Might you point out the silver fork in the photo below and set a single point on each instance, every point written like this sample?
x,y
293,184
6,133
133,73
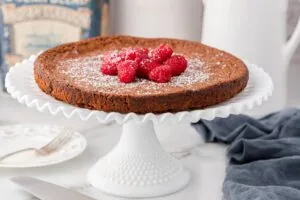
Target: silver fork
x,y
55,144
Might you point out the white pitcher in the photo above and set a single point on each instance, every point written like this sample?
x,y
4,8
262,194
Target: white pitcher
x,y
254,30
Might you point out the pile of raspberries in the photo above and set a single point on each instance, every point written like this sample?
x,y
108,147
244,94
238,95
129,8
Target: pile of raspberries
x,y
158,65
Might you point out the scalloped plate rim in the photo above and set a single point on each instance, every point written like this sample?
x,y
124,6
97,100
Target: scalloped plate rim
x,y
103,117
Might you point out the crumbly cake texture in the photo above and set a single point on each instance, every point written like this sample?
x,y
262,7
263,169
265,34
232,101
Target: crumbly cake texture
x,y
71,73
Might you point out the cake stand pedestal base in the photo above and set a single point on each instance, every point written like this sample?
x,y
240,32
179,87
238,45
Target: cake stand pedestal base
x,y
138,166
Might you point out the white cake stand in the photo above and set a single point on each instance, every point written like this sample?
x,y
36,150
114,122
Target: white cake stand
x,y
138,166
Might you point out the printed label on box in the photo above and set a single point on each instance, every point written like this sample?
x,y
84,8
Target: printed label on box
x,y
31,26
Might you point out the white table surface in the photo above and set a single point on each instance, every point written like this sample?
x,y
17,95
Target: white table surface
x,y
206,161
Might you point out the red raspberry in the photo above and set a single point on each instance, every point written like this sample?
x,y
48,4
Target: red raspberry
x,y
136,54
130,54
146,66
128,63
177,63
113,57
110,63
161,74
127,71
161,53
144,52
109,69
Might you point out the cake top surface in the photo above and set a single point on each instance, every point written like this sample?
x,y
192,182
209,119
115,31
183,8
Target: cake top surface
x,y
79,66
84,72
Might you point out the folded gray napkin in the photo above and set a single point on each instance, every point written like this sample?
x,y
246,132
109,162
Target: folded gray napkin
x,y
264,155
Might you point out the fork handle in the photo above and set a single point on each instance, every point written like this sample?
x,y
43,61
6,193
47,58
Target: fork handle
x,y
15,152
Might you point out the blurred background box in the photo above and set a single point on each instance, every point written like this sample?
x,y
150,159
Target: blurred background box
x,y
105,18
31,26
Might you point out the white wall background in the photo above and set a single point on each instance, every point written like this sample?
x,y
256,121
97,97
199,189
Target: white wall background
x,y
157,18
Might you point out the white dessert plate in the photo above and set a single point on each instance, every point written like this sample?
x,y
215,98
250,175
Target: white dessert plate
x,y
15,137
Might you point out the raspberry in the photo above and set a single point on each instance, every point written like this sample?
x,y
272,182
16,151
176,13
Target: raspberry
x,y
146,66
128,63
110,63
136,54
127,71
161,53
144,52
113,57
109,69
130,54
161,74
177,63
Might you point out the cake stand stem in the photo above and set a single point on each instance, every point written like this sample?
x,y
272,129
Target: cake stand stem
x,y
138,166
139,135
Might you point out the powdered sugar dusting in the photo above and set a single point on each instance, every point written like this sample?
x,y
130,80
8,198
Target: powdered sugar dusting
x,y
86,72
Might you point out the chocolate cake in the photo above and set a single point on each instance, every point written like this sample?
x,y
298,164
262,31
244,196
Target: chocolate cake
x,y
70,73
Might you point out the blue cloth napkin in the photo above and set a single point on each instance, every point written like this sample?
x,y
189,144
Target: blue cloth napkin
x,y
264,155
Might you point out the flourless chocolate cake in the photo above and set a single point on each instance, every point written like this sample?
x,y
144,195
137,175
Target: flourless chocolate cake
x,y
71,73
